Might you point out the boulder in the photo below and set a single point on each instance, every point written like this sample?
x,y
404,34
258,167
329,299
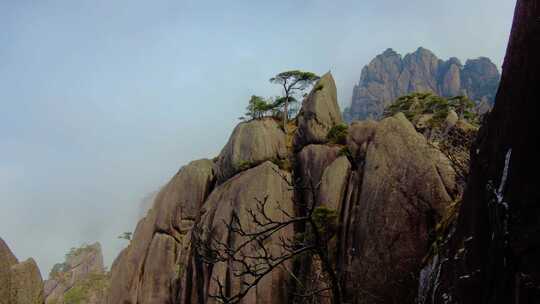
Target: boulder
x,y
394,199
334,183
250,144
312,163
26,285
319,113
7,259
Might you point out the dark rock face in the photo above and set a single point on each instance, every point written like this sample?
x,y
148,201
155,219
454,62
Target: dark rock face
x,y
490,253
390,76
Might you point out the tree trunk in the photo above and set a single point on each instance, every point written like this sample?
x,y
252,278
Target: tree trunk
x,y
285,114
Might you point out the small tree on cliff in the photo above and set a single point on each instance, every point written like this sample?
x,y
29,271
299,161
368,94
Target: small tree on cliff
x,y
292,82
252,259
258,107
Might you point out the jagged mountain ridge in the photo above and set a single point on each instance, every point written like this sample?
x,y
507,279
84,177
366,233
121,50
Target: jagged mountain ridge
x,y
390,75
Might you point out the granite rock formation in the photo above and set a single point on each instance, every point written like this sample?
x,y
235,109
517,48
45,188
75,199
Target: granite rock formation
x,y
20,283
387,185
390,76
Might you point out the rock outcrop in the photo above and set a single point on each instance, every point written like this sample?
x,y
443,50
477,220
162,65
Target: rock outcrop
x,y
146,271
26,285
250,144
390,76
236,196
489,253
319,113
20,283
395,196
82,275
385,186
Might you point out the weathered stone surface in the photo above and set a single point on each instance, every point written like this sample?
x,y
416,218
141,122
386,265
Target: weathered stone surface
x,y
183,196
312,162
250,144
20,283
135,275
26,285
7,259
334,183
394,198
319,113
390,76
236,195
161,259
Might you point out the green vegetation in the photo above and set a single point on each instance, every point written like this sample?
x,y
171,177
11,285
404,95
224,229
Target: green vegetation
x,y
259,107
325,220
338,134
415,105
244,165
81,292
345,152
126,236
292,82
74,251
283,163
57,269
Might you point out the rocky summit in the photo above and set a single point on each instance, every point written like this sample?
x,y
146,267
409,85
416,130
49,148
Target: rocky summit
x,y
391,75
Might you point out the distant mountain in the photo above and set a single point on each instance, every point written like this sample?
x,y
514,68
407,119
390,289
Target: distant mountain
x,y
390,76
81,278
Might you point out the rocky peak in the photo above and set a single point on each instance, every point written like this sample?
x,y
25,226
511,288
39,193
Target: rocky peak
x,y
390,76
319,113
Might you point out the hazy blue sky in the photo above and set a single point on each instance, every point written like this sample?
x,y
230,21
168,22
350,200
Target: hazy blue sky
x,y
102,101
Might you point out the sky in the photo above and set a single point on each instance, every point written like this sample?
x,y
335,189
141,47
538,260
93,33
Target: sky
x,y
102,101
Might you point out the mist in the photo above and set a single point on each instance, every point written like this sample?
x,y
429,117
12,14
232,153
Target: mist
x,y
103,101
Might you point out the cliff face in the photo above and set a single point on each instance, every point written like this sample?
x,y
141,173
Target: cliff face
x,y
81,277
20,283
386,184
490,253
390,76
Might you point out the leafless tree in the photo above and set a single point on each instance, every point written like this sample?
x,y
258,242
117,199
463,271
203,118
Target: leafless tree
x,y
252,258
